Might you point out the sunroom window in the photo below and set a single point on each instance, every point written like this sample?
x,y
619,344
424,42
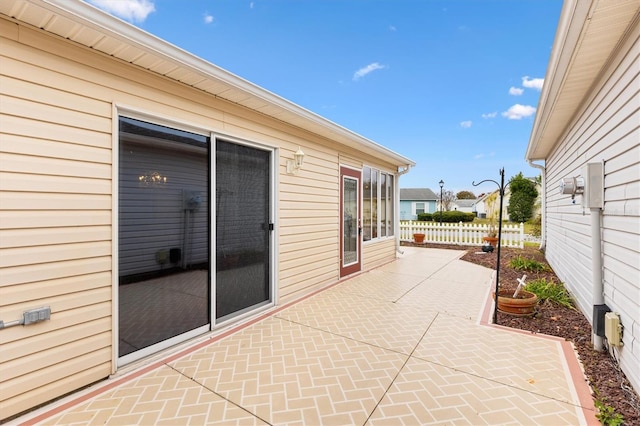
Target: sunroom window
x,y
378,202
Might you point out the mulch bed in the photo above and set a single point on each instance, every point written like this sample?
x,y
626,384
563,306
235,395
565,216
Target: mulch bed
x,y
600,368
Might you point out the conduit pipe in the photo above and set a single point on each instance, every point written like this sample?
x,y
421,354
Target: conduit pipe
x,y
596,271
543,214
593,199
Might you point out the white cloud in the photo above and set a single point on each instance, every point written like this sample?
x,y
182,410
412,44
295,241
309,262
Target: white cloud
x,y
466,124
251,5
130,10
392,28
517,112
532,83
490,115
515,91
208,18
366,70
479,156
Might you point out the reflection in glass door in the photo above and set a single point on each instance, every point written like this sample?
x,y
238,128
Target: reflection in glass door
x,y
163,237
350,226
243,228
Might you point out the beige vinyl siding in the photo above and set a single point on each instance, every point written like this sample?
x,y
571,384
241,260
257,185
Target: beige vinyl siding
x,y
608,128
56,218
376,253
349,161
55,232
308,223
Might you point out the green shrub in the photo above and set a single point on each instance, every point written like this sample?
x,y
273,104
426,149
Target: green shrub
x,y
524,264
550,290
523,198
454,216
469,217
425,217
606,413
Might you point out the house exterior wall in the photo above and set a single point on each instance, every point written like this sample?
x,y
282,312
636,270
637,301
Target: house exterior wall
x,y
465,209
605,129
481,208
405,210
58,114
408,208
377,253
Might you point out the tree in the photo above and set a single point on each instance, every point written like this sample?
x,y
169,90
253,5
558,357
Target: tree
x,y
523,198
448,197
466,195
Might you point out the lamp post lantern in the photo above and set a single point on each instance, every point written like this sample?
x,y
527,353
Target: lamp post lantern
x,y
441,183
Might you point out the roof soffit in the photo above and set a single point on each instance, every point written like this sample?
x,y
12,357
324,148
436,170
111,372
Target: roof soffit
x,y
587,37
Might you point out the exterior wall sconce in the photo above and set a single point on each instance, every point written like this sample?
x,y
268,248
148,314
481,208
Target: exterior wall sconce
x,y
296,164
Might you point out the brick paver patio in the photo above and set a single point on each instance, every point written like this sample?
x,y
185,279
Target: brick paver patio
x,y
407,343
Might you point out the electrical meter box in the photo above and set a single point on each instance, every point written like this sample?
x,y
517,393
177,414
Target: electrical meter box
x,y
613,329
593,196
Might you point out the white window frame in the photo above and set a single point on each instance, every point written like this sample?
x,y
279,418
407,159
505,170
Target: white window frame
x,y
390,203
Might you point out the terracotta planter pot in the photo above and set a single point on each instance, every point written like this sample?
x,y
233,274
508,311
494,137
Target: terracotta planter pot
x,y
491,240
418,238
523,305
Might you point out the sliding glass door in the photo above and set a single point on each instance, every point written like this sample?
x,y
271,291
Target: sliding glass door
x,y
163,236
243,228
166,292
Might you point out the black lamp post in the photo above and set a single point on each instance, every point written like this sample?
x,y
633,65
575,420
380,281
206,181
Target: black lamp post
x,y
501,187
441,183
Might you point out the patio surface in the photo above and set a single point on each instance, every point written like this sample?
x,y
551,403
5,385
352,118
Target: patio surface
x,y
407,343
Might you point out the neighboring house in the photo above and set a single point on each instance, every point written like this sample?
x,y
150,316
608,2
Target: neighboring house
x,y
150,197
481,205
414,201
467,206
587,127
489,205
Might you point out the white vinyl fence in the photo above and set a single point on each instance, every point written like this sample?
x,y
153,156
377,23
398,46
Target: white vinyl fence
x,y
467,234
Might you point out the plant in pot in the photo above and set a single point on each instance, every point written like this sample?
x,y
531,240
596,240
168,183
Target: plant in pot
x,y
519,302
492,233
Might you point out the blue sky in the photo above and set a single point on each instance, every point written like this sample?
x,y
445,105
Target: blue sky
x,y
451,84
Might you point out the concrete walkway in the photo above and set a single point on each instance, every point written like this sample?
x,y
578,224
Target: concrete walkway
x,y
406,343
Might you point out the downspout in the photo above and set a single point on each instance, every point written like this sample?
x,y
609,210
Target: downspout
x,y
543,210
401,170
